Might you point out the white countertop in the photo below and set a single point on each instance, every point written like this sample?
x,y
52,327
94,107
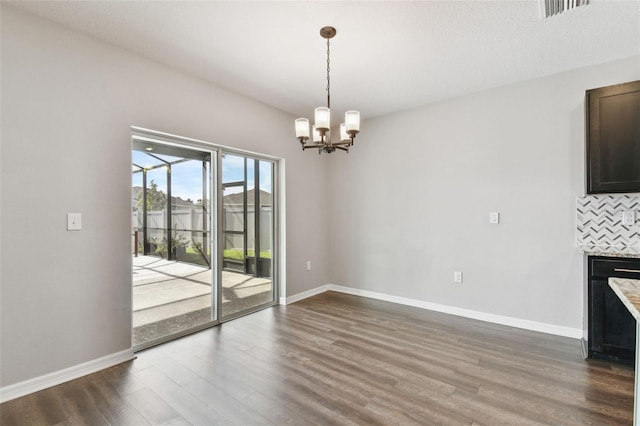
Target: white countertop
x,y
611,251
628,291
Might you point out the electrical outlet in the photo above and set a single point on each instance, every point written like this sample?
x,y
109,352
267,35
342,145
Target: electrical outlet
x,y
494,218
629,217
457,277
308,265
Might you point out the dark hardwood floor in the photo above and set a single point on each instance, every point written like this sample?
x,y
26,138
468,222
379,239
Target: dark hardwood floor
x,y
341,359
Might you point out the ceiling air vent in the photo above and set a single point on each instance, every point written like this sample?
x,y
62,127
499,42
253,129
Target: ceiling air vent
x,y
550,8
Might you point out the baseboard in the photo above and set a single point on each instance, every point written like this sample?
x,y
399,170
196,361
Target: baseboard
x,y
306,294
584,347
36,384
574,333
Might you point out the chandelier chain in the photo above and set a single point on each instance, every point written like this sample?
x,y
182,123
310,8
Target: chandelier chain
x,y
328,78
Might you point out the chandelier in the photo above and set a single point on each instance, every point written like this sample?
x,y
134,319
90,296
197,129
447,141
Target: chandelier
x,y
322,127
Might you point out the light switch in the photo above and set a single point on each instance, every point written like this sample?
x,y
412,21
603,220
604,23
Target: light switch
x,y
74,221
494,218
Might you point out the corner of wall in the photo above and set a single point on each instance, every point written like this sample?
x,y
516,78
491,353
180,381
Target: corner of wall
x,y
573,333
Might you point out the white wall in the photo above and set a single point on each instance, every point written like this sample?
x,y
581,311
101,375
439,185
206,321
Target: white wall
x,y
68,102
411,203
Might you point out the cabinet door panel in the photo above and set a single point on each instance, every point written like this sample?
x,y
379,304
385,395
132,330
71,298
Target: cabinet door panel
x,y
613,139
612,328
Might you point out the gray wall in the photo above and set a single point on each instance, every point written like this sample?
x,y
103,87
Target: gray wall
x,y
412,201
68,102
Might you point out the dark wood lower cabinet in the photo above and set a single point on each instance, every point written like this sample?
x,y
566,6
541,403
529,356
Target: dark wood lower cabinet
x,y
611,328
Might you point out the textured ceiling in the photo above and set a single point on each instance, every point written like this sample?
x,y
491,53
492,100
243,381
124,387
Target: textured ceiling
x,y
387,56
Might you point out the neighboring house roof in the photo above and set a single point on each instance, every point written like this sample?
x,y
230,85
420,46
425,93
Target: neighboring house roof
x,y
265,198
136,193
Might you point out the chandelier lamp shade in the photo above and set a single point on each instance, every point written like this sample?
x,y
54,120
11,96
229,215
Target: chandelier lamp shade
x,y
321,129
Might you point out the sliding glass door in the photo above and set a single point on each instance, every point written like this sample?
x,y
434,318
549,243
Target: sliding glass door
x,y
203,236
247,234
173,283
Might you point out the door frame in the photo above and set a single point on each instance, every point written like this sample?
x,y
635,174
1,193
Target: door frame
x,y
278,263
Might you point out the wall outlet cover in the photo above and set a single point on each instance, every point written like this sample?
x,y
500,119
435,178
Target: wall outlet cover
x,y
628,217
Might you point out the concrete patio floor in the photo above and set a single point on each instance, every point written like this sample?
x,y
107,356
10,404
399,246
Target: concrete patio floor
x,y
171,296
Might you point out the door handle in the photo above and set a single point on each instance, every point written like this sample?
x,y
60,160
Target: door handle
x,y
635,271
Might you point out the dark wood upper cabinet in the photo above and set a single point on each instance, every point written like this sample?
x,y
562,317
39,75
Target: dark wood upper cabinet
x,y
613,138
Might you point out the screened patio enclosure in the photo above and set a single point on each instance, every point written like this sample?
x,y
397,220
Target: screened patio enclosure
x,y
166,223
175,220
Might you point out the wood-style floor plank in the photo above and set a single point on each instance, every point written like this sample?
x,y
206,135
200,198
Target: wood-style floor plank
x,y
337,359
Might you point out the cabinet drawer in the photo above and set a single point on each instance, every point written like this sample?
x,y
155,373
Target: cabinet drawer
x,y
621,268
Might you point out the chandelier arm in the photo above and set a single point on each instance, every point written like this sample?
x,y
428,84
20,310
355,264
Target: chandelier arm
x,y
343,143
317,145
341,147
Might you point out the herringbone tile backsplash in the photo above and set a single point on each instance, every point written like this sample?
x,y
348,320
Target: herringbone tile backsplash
x,y
599,220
